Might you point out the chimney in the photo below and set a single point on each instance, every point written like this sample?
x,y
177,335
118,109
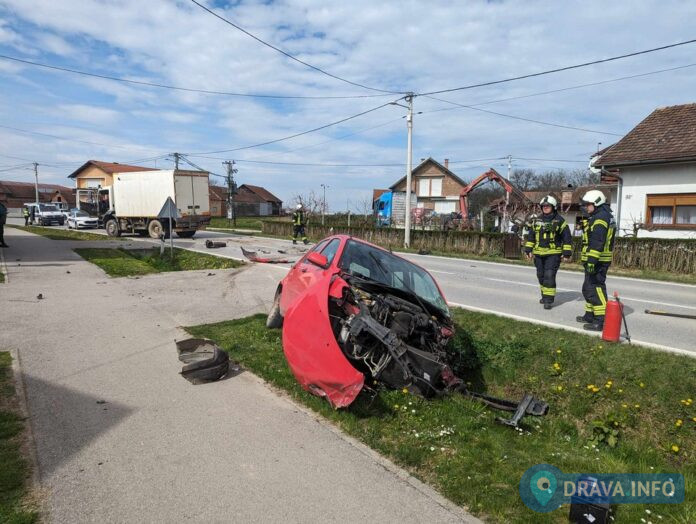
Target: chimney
x,y
446,163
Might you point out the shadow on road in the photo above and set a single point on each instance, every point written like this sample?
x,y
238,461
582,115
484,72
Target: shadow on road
x,y
65,420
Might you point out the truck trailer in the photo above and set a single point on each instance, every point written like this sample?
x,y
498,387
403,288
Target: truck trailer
x,y
132,204
391,209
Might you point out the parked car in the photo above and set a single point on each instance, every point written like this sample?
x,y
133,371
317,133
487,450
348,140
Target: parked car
x,y
45,214
80,219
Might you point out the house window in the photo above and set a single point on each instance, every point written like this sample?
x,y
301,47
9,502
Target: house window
x,y
436,187
214,209
423,187
672,211
429,187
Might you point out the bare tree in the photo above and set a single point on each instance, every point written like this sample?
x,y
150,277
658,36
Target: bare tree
x,y
311,202
524,179
364,206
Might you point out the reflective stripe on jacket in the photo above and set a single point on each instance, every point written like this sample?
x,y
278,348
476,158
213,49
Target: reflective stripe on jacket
x,y
549,235
598,236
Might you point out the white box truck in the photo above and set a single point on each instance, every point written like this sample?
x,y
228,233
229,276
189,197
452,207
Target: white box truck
x,y
132,204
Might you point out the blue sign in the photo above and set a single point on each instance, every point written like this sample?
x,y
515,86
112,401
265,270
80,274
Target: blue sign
x,y
544,488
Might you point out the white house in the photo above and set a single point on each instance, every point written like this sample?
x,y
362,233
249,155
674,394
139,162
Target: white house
x,y
655,165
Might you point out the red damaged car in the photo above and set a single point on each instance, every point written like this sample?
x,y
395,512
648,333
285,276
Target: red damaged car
x,y
354,314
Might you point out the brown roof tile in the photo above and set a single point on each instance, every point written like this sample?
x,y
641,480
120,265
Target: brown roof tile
x,y
109,167
263,193
668,134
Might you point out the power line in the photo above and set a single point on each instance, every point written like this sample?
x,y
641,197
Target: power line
x,y
179,88
541,122
289,55
559,69
295,135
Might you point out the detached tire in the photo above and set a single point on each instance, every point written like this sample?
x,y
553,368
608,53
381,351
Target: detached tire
x,y
275,319
185,234
112,229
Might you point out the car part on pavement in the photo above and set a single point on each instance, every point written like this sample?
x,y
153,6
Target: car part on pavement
x,y
203,360
668,314
210,244
254,257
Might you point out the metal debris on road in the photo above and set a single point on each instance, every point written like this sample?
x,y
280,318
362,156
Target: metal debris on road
x,y
210,244
254,257
669,314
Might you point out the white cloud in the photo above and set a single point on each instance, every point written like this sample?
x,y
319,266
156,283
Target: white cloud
x,y
395,45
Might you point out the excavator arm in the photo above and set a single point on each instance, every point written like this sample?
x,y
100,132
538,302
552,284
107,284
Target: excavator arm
x,y
489,176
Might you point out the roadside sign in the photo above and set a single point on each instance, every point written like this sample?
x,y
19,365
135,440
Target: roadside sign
x,y
168,210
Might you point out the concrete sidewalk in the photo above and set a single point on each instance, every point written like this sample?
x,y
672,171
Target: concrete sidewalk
x,y
121,437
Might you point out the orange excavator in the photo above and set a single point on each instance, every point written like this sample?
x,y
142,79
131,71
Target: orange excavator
x,y
515,200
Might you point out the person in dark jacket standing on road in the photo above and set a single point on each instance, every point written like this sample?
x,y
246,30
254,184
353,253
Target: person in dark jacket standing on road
x,y
3,218
548,239
597,248
298,224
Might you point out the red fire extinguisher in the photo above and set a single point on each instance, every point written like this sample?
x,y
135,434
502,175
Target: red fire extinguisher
x,y
612,321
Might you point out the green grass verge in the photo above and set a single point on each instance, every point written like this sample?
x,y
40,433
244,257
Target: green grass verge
x,y
241,223
14,468
593,389
118,262
2,277
57,233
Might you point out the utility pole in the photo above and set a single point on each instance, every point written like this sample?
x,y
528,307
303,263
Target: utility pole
x,y
409,167
323,204
409,123
176,161
36,182
231,215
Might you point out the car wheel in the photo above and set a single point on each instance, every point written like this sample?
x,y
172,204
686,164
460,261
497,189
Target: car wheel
x,y
275,319
112,228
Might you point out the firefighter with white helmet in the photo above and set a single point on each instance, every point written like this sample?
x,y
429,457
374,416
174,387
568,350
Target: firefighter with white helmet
x,y
597,248
548,240
298,224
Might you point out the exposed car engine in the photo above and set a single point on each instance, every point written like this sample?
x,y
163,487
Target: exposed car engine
x,y
402,343
398,342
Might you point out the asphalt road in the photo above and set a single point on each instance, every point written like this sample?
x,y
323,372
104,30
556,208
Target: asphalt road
x,y
513,290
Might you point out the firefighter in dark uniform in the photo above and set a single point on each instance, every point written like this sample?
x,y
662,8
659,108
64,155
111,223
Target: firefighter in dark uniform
x,y
548,239
597,248
298,224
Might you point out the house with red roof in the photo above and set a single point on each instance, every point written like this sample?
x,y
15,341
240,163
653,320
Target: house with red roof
x,y
654,166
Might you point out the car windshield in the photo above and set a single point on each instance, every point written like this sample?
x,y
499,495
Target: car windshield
x,y
376,264
47,207
81,214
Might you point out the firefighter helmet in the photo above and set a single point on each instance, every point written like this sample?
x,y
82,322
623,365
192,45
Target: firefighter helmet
x,y
594,197
548,200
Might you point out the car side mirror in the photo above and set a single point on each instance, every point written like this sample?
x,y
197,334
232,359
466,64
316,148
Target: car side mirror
x,y
318,259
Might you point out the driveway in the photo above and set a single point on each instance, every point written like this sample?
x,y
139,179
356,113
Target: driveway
x,y
121,437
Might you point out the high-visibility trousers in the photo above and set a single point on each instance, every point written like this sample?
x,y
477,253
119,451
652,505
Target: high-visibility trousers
x,y
297,231
547,267
594,289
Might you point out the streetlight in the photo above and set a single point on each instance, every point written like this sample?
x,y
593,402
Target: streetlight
x,y
323,204
409,124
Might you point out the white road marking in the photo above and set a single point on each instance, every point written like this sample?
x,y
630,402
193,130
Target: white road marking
x,y
624,298
441,272
660,347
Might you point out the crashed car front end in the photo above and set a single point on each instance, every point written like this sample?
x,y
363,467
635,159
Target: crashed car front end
x,y
375,320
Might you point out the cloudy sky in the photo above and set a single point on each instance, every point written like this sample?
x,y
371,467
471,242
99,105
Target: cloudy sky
x,y
61,119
